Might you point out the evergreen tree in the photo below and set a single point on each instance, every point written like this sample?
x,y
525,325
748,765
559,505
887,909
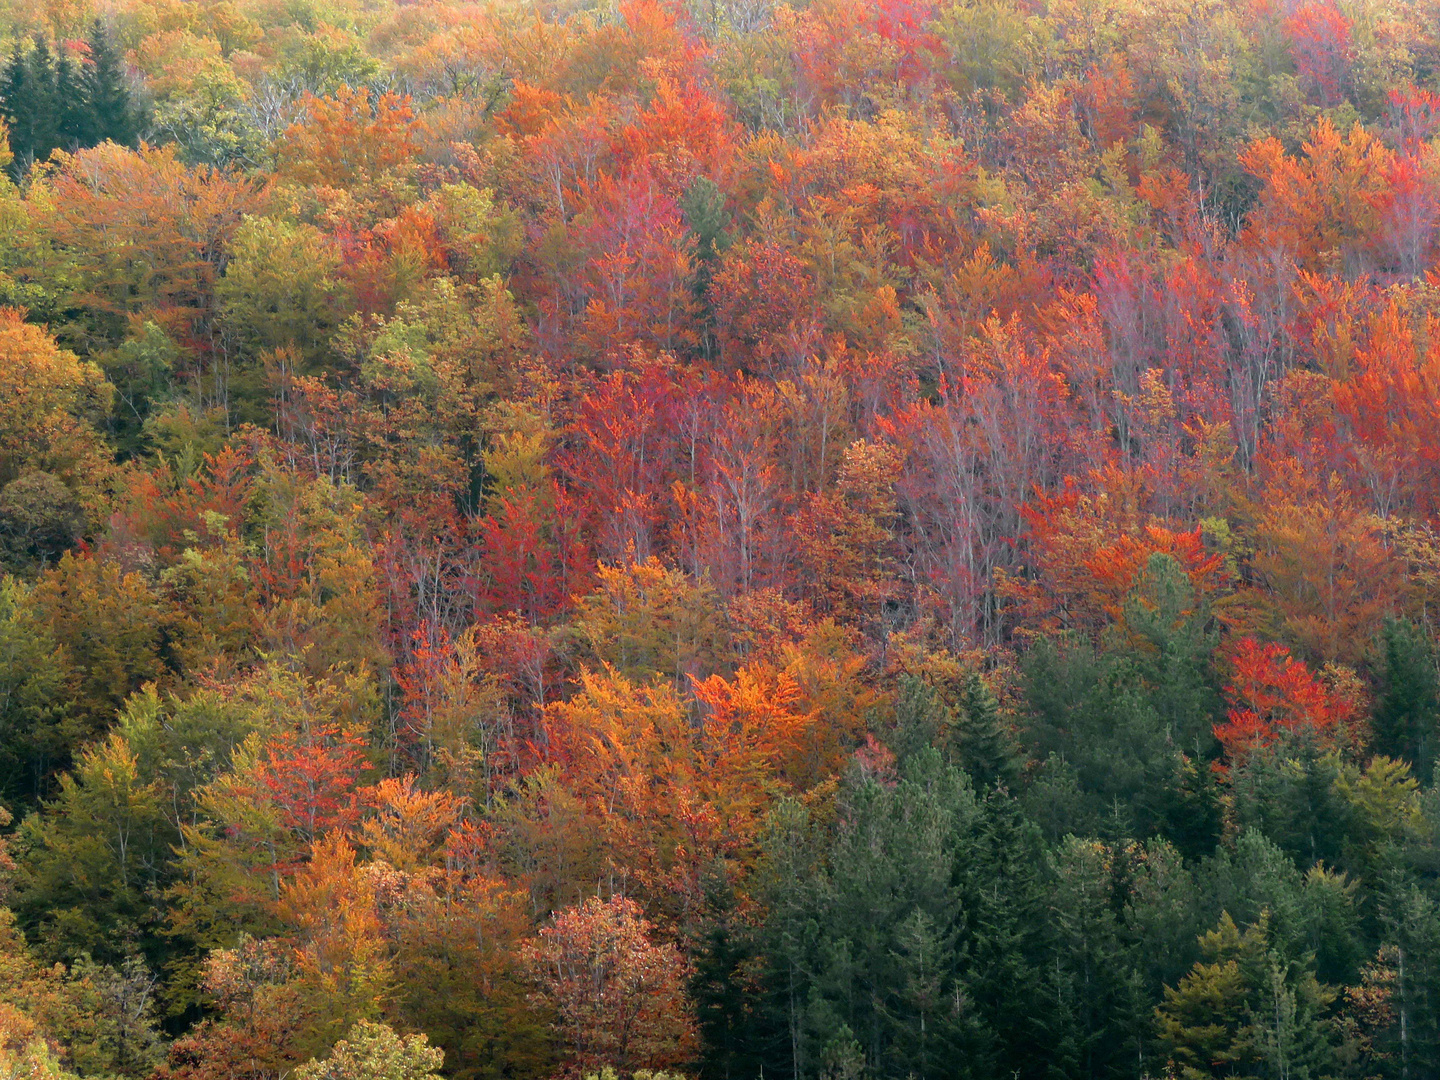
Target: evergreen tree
x,y
112,113
27,103
1163,915
790,884
1408,973
980,739
72,104
1311,916
707,220
1288,792
1246,1010
867,945
1093,714
1101,1020
14,90
43,105
1167,631
50,101
30,102
1407,712
891,965
31,691
920,717
1005,895
725,953
1194,818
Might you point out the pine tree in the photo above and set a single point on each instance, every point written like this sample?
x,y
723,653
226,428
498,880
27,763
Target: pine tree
x,y
72,106
16,106
1407,714
1101,1026
113,114
725,947
44,110
32,682
890,964
1005,893
979,739
1201,1019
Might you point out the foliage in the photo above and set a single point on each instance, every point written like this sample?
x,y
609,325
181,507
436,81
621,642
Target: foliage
x,y
618,996
856,538
374,1052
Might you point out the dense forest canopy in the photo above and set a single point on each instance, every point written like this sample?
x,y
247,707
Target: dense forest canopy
x,y
886,539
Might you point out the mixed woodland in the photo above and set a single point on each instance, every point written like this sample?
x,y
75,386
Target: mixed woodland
x,y
848,540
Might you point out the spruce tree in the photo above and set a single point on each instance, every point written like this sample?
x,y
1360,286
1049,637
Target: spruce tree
x,y
980,740
113,114
16,107
920,717
1407,713
72,106
44,110
1005,893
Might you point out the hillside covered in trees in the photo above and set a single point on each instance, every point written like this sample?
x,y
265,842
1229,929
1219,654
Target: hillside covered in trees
x,y
862,540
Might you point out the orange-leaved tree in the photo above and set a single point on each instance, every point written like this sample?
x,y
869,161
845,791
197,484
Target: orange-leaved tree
x,y
50,402
619,996
142,232
348,138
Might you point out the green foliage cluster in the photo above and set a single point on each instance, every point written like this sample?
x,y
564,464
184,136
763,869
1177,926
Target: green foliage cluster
x,y
52,98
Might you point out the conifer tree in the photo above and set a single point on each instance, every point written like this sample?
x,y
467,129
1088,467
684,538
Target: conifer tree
x,y
14,86
72,106
30,101
1101,1023
981,743
867,950
28,91
51,101
1004,891
1407,713
920,717
1408,973
113,115
44,111
1247,1011
727,1013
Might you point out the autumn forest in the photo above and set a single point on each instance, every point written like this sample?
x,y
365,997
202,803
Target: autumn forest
x,y
719,539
